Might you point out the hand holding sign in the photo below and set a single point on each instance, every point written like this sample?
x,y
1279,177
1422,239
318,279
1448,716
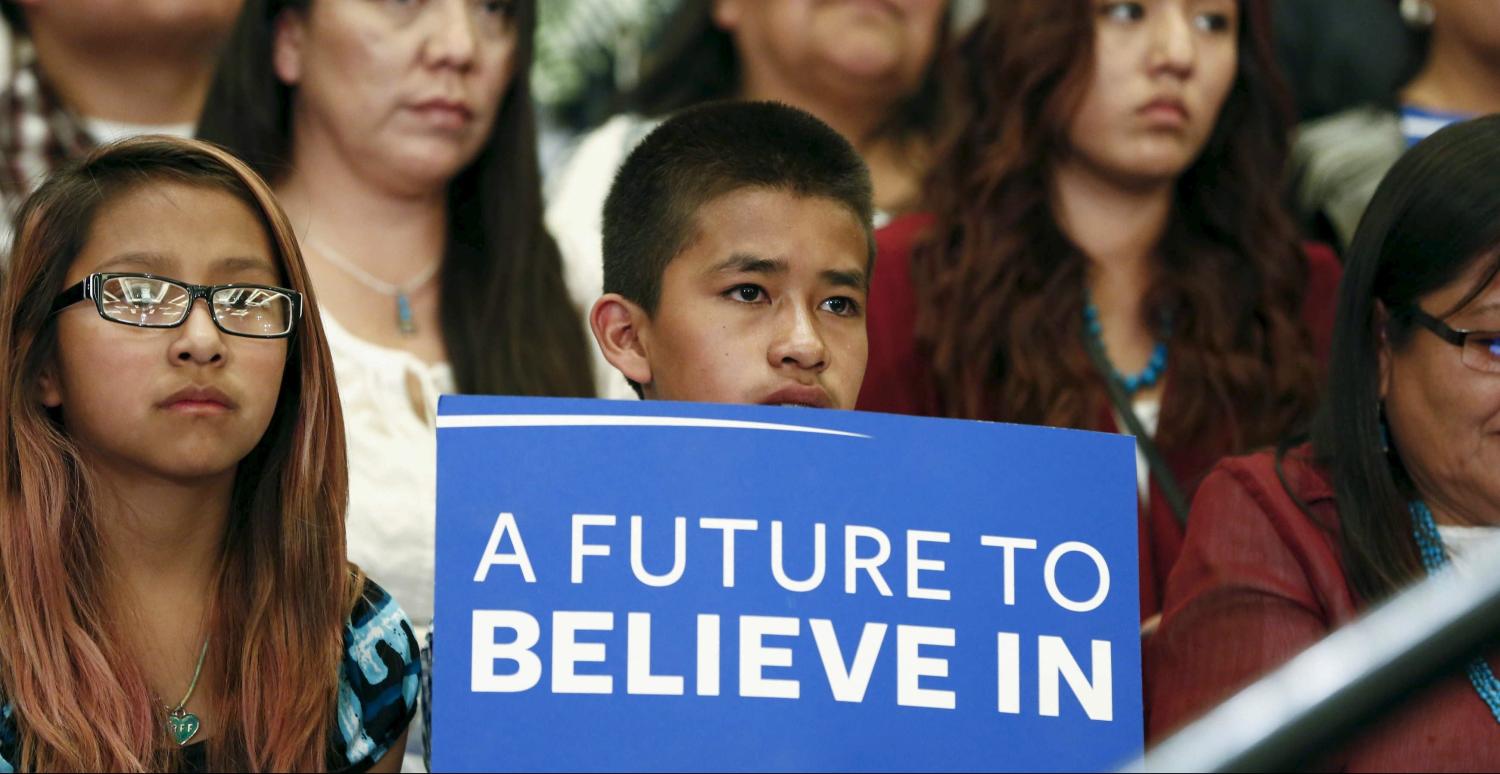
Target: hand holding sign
x,y
672,586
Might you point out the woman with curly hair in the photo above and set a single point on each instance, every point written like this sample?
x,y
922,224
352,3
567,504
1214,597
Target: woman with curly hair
x,y
1107,247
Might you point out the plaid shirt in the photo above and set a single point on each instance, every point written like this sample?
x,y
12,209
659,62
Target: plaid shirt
x,y
36,132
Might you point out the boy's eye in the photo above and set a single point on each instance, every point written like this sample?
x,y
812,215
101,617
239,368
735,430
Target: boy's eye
x,y
842,306
748,294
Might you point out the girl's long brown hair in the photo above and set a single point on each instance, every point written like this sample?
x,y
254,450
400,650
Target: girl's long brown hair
x,y
1000,287
79,698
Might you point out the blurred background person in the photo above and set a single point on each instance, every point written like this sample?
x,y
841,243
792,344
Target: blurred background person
x,y
400,139
1397,482
79,73
1108,247
1339,159
587,53
866,69
1338,55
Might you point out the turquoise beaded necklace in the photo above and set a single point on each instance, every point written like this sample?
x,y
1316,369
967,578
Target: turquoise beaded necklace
x,y
1434,559
1133,383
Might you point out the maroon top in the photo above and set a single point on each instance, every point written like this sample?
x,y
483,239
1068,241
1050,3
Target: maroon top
x,y
1258,581
898,380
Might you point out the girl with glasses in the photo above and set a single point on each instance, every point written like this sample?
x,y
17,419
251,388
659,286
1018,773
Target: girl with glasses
x,y
174,593
1399,480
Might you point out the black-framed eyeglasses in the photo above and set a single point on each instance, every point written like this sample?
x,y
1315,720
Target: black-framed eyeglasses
x,y
1479,350
151,301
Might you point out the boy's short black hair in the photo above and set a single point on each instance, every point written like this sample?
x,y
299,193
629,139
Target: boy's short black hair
x,y
708,151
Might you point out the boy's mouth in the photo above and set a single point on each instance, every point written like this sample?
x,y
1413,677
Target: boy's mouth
x,y
805,396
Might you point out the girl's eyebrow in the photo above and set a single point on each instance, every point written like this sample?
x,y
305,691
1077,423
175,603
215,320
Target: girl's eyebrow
x,y
156,263
159,263
153,263
243,263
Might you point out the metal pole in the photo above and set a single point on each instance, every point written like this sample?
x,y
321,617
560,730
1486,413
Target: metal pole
x,y
1329,691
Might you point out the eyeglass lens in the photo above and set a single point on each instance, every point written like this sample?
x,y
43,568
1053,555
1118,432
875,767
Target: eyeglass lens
x,y
158,303
1482,352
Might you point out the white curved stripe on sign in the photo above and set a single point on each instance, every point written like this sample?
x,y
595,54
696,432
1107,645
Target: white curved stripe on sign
x,y
589,420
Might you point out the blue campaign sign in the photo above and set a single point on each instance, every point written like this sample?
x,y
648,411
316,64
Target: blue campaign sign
x,y
667,586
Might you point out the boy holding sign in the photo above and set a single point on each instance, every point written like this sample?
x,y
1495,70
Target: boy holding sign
x,y
738,248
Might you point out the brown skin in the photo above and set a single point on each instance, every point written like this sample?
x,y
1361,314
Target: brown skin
x,y
1162,71
1146,51
367,74
371,145
1462,70
765,304
134,61
848,62
165,468
847,50
1444,417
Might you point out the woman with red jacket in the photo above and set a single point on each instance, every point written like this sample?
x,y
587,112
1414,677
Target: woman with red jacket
x,y
1398,481
1107,247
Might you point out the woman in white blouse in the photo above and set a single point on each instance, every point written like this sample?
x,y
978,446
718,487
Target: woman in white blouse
x,y
400,138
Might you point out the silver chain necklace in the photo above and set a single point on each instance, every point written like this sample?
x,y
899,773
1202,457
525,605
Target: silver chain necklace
x,y
405,323
183,724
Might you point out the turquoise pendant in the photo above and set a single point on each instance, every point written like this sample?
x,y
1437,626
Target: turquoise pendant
x,y
183,725
404,320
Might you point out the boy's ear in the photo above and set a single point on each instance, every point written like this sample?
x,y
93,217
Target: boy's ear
x,y
618,324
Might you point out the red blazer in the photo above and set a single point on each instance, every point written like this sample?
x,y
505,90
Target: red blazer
x,y
898,380
1259,581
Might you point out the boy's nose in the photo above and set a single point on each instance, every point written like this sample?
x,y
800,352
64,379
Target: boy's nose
x,y
798,342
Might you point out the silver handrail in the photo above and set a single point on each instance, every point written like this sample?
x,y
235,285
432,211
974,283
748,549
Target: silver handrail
x,y
1318,698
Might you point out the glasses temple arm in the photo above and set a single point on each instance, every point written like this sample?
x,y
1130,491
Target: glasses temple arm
x,y
1438,327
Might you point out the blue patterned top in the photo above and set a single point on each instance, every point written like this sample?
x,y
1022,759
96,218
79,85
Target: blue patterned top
x,y
378,685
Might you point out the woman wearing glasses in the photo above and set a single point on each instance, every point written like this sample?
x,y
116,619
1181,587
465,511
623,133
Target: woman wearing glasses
x,y
1399,479
174,592
400,138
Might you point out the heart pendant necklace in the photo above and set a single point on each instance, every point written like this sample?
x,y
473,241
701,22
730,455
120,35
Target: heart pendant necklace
x,y
183,724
